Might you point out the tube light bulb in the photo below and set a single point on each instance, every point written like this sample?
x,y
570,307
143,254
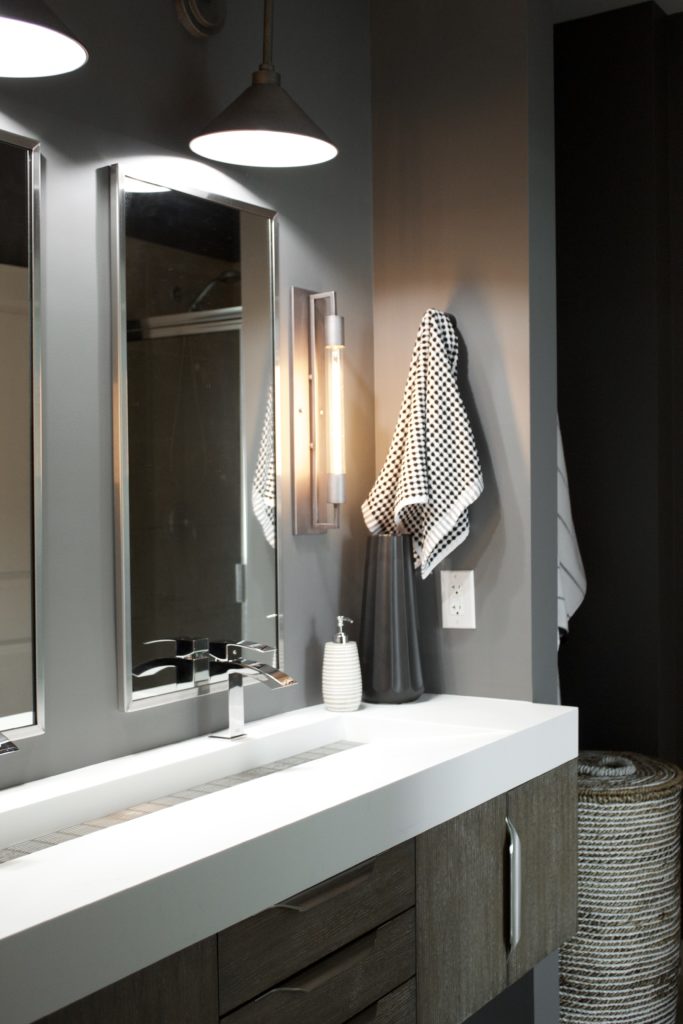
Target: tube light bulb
x,y
334,383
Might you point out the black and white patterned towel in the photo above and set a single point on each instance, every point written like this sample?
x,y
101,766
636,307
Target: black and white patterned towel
x,y
263,485
432,473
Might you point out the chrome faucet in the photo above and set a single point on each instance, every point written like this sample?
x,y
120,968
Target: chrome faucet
x,y
191,660
6,745
229,661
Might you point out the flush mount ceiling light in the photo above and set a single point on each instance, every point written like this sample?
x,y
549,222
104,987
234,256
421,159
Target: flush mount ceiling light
x,y
264,127
34,43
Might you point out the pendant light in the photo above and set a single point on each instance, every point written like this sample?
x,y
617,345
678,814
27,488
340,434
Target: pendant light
x,y
264,127
34,43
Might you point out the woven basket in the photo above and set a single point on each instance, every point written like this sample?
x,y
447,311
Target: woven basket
x,y
622,965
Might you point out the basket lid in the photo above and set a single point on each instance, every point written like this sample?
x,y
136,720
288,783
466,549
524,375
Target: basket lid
x,y
623,775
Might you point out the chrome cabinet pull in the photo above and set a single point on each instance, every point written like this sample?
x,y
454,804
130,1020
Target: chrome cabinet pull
x,y
515,880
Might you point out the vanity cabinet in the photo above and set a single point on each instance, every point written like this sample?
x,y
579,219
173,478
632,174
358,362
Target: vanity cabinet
x,y
465,952
328,953
179,989
419,934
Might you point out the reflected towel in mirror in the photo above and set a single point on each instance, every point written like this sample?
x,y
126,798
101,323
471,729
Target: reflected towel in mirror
x,y
263,485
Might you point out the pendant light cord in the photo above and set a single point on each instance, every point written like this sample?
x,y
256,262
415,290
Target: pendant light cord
x,y
267,63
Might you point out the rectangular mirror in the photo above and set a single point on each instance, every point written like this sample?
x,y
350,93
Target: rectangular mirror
x,y
194,436
21,673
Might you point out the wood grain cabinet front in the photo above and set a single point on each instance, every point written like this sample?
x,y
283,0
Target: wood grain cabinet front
x,y
341,985
177,990
496,892
425,933
257,954
398,1007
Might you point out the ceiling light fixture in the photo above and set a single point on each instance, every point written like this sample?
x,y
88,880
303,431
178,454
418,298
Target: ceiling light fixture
x,y
264,127
34,43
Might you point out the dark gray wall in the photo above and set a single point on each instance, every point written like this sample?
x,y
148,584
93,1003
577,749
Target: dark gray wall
x,y
674,389
459,147
147,88
616,354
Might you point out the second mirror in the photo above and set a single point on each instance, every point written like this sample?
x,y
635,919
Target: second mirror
x,y
195,439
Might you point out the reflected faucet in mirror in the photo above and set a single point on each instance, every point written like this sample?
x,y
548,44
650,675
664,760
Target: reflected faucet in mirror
x,y
198,661
6,745
190,659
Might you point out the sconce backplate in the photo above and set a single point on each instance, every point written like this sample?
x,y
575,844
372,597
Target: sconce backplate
x,y
201,17
307,439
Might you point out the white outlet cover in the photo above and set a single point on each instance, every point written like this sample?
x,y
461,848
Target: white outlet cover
x,y
457,599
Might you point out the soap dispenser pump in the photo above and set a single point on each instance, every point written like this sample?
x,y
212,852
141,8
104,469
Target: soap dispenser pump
x,y
342,685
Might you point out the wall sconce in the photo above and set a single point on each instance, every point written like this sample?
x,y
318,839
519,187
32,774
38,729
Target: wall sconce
x,y
317,409
34,43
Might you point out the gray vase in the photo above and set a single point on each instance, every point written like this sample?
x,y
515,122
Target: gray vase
x,y
388,644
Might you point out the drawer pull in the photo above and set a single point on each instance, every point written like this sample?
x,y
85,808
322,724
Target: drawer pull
x,y
328,969
314,897
515,868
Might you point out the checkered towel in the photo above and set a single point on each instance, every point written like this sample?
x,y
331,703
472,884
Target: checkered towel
x,y
432,472
263,485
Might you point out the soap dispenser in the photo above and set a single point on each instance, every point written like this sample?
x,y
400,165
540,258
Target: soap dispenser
x,y
342,686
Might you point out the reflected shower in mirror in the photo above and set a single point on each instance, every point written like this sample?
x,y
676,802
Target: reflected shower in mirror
x,y
21,676
194,434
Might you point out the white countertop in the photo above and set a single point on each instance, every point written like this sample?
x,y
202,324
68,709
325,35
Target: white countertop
x,y
80,915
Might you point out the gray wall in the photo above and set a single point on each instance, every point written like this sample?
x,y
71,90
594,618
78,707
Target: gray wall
x,y
147,88
464,221
459,144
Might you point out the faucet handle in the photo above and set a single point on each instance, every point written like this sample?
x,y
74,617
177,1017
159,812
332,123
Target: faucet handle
x,y
6,745
188,647
224,650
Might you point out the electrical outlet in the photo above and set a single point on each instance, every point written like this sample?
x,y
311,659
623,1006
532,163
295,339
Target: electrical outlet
x,y
457,599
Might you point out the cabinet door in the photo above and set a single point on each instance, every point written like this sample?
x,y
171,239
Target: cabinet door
x,y
460,893
181,988
464,883
543,813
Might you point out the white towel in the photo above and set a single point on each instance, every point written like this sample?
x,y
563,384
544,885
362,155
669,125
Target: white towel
x,y
432,472
263,485
571,576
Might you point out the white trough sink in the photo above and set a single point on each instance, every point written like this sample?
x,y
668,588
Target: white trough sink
x,y
41,807
95,909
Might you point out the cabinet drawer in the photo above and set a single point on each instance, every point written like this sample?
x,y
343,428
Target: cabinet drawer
x,y
343,983
258,953
396,1008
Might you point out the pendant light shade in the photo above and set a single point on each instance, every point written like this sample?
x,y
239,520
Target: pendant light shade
x,y
264,127
34,43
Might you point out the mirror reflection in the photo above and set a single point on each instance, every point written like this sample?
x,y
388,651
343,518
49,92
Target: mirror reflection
x,y
195,434
21,692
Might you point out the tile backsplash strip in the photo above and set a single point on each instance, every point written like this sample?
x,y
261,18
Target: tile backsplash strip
x,y
69,832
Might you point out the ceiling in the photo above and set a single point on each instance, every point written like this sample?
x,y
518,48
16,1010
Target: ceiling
x,y
564,10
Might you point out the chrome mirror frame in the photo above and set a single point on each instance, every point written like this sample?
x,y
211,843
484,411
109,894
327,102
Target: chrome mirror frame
x,y
32,147
117,172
